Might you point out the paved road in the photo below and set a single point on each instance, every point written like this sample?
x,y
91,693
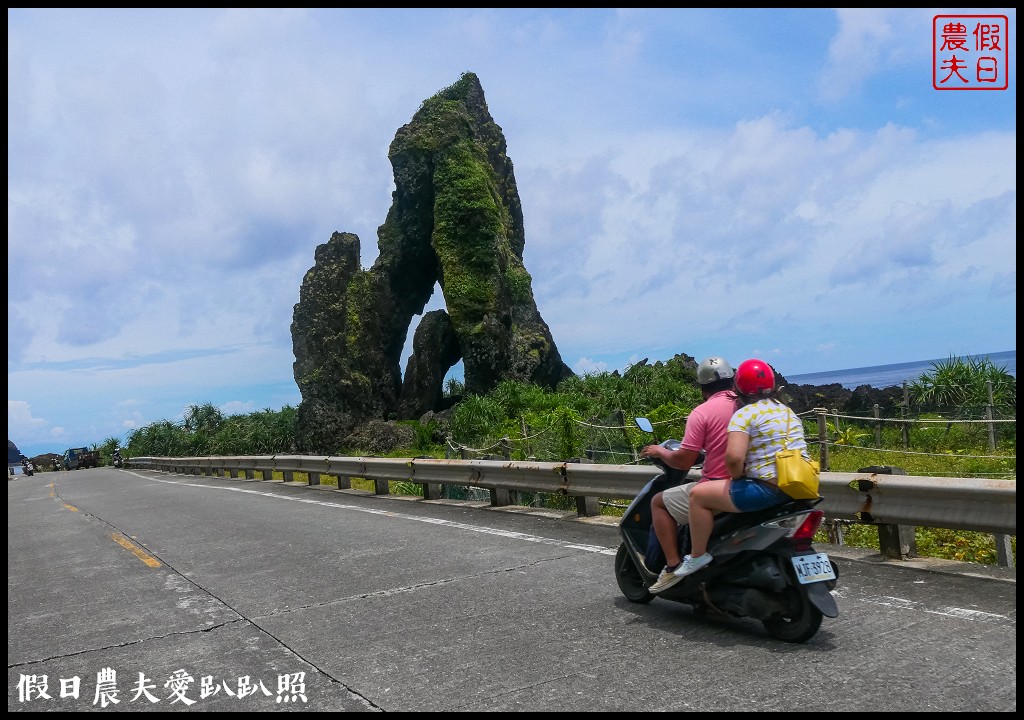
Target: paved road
x,y
170,592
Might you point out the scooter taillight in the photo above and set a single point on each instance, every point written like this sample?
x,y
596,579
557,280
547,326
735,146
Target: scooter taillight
x,y
806,530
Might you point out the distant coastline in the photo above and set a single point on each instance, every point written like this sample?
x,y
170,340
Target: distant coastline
x,y
883,376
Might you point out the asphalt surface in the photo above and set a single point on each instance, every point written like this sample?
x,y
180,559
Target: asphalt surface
x,y
171,592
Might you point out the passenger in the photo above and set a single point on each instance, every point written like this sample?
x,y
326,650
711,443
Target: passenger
x,y
756,433
707,432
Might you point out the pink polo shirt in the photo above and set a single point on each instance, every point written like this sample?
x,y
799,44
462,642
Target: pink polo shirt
x,y
707,429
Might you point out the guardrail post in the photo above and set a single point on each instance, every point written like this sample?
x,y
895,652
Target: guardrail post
x,y
1004,553
344,482
287,476
381,487
432,491
896,542
314,478
500,497
587,506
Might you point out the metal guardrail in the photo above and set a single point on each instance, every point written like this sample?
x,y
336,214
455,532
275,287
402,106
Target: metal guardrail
x,y
974,504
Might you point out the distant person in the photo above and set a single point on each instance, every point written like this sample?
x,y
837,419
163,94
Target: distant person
x,y
756,433
707,432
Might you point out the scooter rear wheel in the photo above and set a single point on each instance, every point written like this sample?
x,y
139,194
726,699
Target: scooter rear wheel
x,y
799,623
628,576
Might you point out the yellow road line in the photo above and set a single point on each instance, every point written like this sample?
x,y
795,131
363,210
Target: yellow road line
x,y
72,508
135,549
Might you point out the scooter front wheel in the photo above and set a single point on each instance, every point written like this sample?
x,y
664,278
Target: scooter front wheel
x,y
628,576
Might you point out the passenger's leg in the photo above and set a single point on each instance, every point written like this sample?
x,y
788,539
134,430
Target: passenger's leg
x,y
706,499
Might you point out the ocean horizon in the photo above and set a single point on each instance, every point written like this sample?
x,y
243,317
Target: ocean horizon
x,y
881,376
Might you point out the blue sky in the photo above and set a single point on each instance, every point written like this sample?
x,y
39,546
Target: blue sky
x,y
784,184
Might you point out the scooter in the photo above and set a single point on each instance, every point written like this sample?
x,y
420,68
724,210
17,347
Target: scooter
x,y
764,565
28,467
118,461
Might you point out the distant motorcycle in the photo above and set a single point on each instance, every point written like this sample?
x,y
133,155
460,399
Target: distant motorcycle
x,y
28,467
118,461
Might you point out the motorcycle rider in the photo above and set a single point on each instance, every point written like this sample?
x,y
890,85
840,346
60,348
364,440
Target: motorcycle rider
x,y
117,460
756,433
707,431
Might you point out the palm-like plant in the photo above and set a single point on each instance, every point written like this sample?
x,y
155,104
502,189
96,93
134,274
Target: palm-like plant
x,y
205,418
568,434
961,383
107,447
477,418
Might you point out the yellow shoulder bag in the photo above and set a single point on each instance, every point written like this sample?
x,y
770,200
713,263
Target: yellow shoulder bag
x,y
797,476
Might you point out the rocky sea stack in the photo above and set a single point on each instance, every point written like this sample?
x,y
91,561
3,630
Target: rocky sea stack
x,y
859,401
455,221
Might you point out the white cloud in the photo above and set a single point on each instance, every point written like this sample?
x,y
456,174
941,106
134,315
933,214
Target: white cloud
x,y
586,366
19,414
872,42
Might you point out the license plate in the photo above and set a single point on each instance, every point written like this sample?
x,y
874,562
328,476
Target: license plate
x,y
813,568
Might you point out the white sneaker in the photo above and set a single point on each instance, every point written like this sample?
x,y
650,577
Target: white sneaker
x,y
666,580
691,565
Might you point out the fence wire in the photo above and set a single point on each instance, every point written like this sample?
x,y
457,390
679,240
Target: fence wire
x,y
610,442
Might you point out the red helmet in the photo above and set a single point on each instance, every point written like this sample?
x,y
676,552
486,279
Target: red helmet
x,y
755,377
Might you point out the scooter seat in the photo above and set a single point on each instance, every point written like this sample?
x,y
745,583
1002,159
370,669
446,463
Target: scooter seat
x,y
727,522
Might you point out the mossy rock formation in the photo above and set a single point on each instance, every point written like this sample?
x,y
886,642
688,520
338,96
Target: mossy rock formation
x,y
455,221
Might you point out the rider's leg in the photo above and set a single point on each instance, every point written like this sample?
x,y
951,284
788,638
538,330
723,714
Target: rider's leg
x,y
667,530
706,499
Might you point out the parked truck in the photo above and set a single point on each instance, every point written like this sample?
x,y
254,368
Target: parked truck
x,y
75,458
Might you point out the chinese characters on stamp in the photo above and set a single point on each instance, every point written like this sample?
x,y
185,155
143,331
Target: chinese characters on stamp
x,y
970,52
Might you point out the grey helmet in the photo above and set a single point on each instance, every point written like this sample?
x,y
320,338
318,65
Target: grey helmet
x,y
713,369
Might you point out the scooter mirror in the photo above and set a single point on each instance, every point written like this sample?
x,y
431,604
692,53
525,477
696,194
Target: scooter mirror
x,y
644,424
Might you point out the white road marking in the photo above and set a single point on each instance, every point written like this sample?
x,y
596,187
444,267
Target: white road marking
x,y
913,605
389,513
900,603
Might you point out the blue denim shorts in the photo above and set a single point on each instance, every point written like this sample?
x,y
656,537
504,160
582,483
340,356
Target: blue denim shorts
x,y
749,494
